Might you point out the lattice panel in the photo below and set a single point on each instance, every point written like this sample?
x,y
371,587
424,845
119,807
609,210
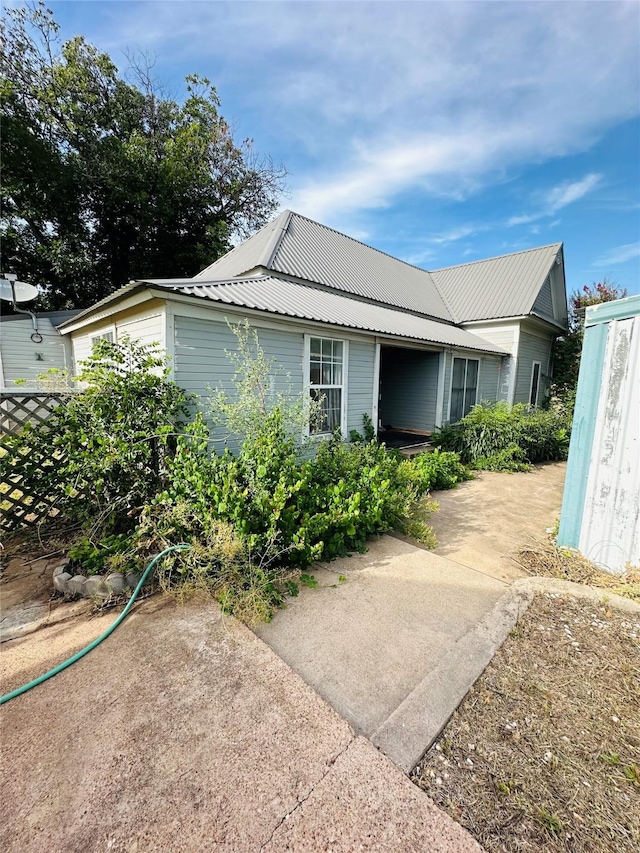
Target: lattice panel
x,y
18,505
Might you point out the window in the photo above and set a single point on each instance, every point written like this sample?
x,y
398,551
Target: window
x,y
103,336
535,383
464,387
326,382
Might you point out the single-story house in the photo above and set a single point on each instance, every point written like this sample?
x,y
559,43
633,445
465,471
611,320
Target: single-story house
x,y
368,333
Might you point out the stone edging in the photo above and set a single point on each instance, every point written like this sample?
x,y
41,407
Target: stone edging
x,y
95,586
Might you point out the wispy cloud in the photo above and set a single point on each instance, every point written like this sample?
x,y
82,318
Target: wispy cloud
x,y
571,191
618,255
367,102
557,198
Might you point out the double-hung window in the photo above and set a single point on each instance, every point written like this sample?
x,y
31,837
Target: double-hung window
x,y
326,383
464,387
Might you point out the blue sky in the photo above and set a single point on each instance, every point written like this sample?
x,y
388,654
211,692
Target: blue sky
x,y
438,132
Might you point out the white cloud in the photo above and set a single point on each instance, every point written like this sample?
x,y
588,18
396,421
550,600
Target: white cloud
x,y
558,197
401,97
619,255
568,192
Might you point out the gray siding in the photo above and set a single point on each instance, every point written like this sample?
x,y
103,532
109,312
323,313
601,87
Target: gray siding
x,y
448,365
24,359
490,375
201,363
361,366
532,348
544,303
409,388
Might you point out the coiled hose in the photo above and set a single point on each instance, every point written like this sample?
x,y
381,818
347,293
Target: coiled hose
x,y
20,690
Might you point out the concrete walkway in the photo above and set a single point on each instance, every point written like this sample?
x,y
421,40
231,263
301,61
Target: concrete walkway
x,y
184,732
483,523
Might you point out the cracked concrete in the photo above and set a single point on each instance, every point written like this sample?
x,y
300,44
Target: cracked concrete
x,y
184,732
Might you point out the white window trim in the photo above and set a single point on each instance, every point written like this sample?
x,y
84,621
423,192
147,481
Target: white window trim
x,y
467,359
306,378
533,365
97,334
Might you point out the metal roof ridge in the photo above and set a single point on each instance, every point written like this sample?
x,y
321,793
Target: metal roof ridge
x,y
497,257
359,242
277,239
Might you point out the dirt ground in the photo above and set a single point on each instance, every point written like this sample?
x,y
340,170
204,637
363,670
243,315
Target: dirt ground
x,y
482,523
543,754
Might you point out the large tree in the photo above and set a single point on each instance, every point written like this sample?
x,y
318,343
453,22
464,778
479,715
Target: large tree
x,y
105,180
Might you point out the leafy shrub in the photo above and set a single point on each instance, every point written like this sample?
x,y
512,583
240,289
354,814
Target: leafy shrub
x,y
438,470
500,436
368,429
101,453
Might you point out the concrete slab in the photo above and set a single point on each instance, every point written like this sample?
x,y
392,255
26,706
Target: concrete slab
x,y
183,731
333,816
483,522
364,645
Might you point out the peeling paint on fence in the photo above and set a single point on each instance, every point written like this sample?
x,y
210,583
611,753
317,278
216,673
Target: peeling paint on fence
x,y
601,503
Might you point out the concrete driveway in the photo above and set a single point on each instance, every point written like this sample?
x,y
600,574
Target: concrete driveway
x,y
184,732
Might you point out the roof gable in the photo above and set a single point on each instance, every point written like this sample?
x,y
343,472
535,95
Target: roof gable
x,y
506,286
296,246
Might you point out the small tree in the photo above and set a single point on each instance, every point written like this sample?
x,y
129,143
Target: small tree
x,y
568,349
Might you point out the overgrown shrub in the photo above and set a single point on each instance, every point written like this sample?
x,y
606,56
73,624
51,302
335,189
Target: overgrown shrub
x,y
101,453
503,437
438,470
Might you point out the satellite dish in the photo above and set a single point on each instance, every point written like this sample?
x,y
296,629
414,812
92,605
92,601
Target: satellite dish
x,y
17,291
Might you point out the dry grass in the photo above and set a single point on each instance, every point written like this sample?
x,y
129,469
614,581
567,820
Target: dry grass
x,y
544,752
547,560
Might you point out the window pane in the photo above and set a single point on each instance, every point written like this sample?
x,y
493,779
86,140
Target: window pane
x,y
331,409
326,348
457,389
337,351
314,373
471,385
315,346
535,381
327,374
337,374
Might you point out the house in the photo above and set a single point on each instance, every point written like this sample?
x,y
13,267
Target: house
x,y
366,332
30,345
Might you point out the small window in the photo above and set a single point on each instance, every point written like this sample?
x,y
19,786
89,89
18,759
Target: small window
x,y
103,336
326,382
535,383
464,387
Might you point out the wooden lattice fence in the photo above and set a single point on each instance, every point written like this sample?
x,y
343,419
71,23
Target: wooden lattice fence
x,y
19,505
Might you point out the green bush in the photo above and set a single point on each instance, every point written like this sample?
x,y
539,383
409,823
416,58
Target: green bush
x,y
438,470
503,437
101,453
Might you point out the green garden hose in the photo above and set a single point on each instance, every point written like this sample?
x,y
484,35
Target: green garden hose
x,y
9,696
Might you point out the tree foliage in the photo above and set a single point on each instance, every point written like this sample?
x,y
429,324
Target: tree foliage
x,y
105,180
568,349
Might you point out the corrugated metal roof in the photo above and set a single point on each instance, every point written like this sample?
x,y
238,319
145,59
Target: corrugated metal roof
x,y
253,252
300,247
505,286
291,299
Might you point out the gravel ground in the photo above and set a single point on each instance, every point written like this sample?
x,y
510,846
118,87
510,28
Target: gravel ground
x,y
544,753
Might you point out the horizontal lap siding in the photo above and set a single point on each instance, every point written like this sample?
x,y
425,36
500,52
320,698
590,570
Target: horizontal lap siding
x,y
20,354
146,329
489,378
360,383
201,363
409,389
544,302
532,348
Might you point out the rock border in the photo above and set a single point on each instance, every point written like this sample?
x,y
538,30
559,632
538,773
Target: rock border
x,y
93,586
